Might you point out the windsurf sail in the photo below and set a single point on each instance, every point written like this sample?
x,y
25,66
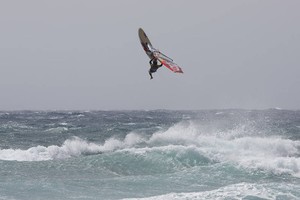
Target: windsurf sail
x,y
168,62
153,53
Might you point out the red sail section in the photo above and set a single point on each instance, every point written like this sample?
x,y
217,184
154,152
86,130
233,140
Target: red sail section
x,y
168,62
171,65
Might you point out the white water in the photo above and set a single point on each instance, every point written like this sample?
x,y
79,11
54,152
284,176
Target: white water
x,y
270,153
236,191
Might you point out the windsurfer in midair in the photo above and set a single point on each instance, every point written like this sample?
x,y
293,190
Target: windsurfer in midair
x,y
154,66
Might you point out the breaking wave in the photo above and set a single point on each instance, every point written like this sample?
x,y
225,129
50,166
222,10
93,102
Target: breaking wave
x,y
235,191
188,143
71,147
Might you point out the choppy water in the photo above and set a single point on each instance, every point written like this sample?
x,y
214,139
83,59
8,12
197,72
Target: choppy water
x,y
213,154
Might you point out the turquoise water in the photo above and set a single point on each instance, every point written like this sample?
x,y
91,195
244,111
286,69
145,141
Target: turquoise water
x,y
211,154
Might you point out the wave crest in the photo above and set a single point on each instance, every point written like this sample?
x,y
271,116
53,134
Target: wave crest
x,y
71,147
270,153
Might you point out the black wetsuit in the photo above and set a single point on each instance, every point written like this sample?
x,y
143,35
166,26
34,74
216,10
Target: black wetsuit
x,y
154,66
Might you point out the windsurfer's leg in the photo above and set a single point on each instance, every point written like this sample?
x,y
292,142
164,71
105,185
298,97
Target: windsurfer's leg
x,y
151,77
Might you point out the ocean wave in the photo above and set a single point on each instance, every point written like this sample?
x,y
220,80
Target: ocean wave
x,y
185,144
235,191
270,153
57,130
15,126
71,147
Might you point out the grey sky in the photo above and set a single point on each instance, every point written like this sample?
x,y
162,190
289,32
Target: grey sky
x,y
86,54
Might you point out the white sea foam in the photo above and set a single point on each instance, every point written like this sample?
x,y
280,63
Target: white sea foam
x,y
236,191
130,140
269,153
274,154
57,130
71,147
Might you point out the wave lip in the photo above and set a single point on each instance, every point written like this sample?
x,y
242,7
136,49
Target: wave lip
x,y
236,146
71,147
271,154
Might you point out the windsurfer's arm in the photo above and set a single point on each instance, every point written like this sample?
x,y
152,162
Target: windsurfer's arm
x,y
160,64
150,62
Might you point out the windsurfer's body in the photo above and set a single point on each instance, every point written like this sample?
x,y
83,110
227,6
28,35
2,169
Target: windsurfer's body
x,y
154,66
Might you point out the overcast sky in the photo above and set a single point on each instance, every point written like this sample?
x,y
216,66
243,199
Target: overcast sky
x,y
86,55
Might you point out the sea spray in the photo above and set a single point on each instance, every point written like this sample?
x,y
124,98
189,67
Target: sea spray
x,y
227,154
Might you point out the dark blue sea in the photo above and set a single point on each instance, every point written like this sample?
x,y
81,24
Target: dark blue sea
x,y
160,154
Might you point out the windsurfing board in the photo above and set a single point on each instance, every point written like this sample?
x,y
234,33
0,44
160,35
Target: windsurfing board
x,y
145,42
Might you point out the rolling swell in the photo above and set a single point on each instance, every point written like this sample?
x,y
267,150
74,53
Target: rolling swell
x,y
229,154
184,145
